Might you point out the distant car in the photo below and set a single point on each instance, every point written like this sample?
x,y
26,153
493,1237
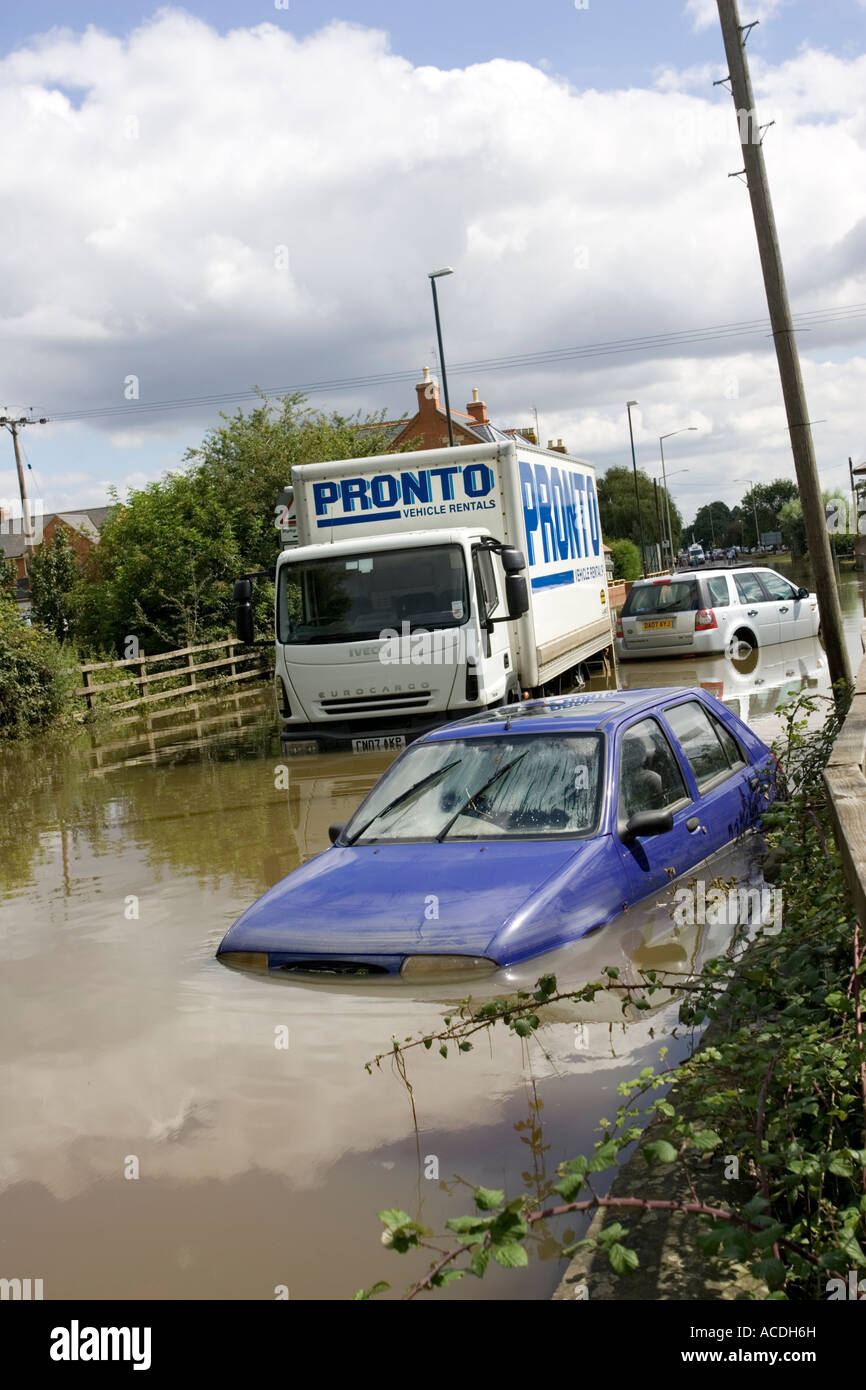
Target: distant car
x,y
511,833
713,611
696,555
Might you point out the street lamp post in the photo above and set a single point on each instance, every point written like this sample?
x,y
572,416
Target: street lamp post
x,y
628,406
433,277
671,542
754,510
662,438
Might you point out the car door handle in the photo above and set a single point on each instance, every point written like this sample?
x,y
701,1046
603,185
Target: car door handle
x,y
784,609
752,613
693,823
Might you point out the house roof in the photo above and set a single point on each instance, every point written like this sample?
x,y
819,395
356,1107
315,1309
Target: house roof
x,y
87,522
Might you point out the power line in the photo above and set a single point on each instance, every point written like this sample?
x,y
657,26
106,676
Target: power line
x,y
682,338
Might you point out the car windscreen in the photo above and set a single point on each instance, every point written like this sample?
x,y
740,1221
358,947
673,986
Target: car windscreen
x,y
677,596
347,598
499,787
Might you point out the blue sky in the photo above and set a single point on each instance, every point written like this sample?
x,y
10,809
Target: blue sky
x,y
570,162
608,44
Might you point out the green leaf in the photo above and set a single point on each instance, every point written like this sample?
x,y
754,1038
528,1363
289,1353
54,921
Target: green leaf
x,y
466,1224
604,1156
487,1198
659,1151
394,1219
840,1164
447,1276
705,1139
623,1260
771,1270
379,1287
511,1256
479,1262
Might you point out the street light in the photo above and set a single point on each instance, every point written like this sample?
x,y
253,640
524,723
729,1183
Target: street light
x,y
433,277
662,438
628,406
755,511
670,541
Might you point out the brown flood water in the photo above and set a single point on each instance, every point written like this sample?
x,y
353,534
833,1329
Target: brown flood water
x,y
126,1047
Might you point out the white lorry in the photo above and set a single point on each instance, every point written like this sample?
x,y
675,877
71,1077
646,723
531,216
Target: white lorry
x,y
419,587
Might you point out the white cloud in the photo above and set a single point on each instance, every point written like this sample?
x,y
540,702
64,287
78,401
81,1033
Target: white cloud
x,y
704,13
207,212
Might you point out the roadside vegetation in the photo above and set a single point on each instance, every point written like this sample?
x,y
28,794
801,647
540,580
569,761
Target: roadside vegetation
x,y
168,554
780,1085
36,677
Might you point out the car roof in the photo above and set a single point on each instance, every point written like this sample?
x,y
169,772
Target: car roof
x,y
583,712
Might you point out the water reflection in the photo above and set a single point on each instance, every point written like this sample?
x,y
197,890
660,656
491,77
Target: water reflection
x,y
262,1165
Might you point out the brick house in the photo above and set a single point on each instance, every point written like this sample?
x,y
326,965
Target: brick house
x,y
82,530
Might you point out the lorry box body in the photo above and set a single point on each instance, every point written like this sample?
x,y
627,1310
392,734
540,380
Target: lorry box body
x,y
391,600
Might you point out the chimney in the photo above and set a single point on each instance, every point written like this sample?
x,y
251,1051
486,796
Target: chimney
x,y
428,394
477,409
557,448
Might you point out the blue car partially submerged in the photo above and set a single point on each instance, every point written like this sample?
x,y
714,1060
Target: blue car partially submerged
x,y
512,833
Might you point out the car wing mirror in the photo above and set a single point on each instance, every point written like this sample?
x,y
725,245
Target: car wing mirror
x,y
648,823
802,593
335,831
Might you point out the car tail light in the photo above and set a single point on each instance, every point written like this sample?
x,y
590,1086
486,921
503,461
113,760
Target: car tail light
x,y
619,626
705,618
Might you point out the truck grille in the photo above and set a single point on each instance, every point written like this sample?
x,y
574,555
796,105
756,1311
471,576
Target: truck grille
x,y
369,704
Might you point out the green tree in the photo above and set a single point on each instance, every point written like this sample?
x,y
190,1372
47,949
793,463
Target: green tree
x,y
34,676
766,501
8,575
712,524
53,573
618,510
626,560
167,556
248,460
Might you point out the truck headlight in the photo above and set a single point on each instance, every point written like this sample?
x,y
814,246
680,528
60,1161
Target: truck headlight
x,y
430,967
244,960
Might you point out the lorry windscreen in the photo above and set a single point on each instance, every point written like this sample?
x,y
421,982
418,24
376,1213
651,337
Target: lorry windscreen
x,y
344,598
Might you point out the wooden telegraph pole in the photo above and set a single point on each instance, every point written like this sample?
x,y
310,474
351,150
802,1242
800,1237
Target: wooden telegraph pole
x,y
13,425
818,542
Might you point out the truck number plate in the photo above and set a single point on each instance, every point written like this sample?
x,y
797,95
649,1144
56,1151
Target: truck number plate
x,y
378,745
661,622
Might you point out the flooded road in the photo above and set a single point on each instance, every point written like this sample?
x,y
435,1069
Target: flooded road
x,y
159,1141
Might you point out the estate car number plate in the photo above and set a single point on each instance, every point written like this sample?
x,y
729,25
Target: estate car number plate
x,y
378,745
660,622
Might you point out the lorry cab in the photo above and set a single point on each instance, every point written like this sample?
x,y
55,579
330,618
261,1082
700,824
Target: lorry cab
x,y
399,627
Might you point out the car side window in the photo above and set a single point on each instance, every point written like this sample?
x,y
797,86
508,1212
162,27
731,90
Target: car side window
x,y
776,586
709,748
717,591
749,588
650,778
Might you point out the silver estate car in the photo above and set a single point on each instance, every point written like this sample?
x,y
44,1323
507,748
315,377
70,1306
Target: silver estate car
x,y
713,611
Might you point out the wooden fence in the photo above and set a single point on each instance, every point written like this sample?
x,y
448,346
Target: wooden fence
x,y
174,680
845,779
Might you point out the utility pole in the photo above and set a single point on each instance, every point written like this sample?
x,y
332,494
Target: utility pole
x,y
13,425
787,355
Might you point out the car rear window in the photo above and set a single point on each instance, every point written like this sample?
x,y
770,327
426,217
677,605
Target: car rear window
x,y
678,596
